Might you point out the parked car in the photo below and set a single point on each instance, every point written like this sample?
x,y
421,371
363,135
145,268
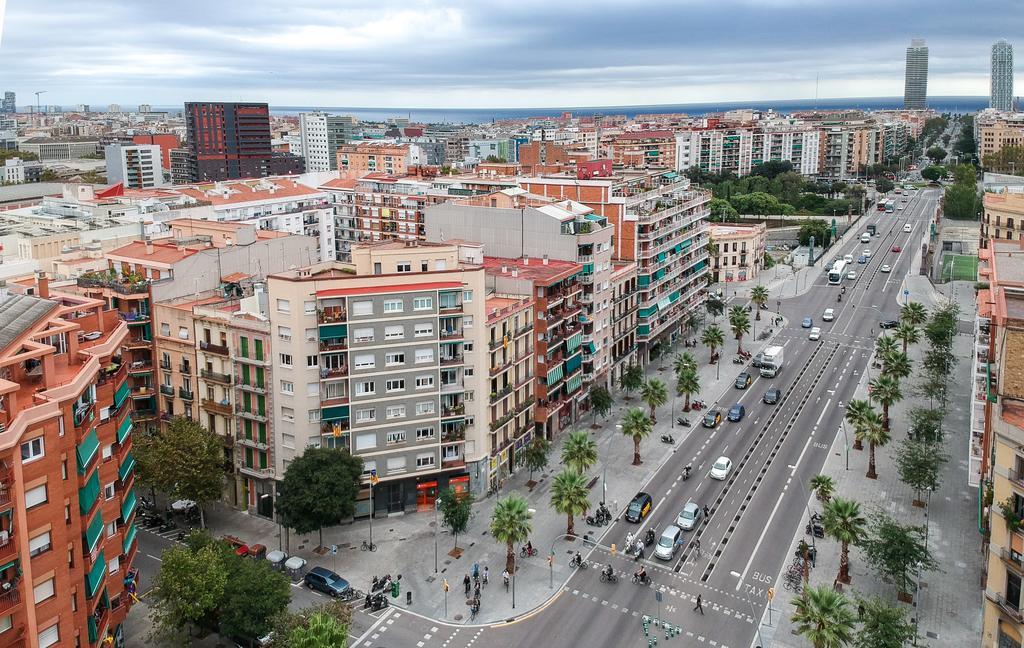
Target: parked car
x,y
737,412
772,396
721,468
324,580
639,507
689,517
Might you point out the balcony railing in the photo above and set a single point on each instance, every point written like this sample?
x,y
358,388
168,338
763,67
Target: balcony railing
x,y
10,598
165,364
261,473
253,414
83,413
186,394
1009,608
216,376
185,369
252,443
333,372
451,360
248,386
118,285
210,347
331,316
217,406
167,390
339,345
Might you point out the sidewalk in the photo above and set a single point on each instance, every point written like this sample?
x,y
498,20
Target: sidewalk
x,y
406,542
948,606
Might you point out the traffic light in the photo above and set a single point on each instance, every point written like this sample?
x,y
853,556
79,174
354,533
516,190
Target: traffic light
x,y
551,560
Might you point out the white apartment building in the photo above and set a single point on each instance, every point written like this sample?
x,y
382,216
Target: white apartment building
x,y
321,134
386,356
137,166
738,150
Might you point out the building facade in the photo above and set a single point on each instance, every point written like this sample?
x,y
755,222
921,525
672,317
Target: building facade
x,y
355,160
138,166
52,149
739,251
623,319
994,130
1001,93
18,171
1003,217
321,135
8,103
915,87
645,149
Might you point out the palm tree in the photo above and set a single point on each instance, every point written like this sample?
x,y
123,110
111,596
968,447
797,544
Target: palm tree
x,y
638,427
579,452
823,486
886,390
713,338
631,379
844,523
655,394
907,334
739,322
683,361
897,365
823,617
856,412
884,345
510,523
876,435
569,496
688,384
759,295
914,313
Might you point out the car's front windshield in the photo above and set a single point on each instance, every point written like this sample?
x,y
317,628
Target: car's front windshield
x,y
666,541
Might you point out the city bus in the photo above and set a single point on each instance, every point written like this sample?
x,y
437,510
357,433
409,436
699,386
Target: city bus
x,y
890,206
838,271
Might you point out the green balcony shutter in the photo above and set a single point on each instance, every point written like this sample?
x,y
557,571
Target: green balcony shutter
x,y
89,492
129,538
261,405
245,375
262,428
124,429
259,349
259,377
128,507
126,467
86,450
94,532
245,347
247,428
121,394
95,576
263,459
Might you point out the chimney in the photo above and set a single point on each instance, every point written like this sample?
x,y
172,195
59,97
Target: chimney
x,y
42,284
545,260
526,259
149,247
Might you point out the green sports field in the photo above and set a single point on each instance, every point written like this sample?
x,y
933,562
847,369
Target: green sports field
x,y
959,267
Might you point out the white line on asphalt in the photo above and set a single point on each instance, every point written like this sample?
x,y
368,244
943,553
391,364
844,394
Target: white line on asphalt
x,y
798,459
823,409
759,541
155,558
374,626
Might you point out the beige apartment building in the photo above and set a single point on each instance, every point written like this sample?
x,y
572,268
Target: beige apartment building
x,y
624,307
994,130
739,251
388,358
1003,217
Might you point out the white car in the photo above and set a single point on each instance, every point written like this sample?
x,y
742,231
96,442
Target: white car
x,y
829,314
901,207
848,258
907,228
866,253
721,468
815,334
851,275
885,267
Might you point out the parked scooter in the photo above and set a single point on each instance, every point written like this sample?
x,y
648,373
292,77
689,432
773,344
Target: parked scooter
x,y
815,527
668,438
738,360
698,404
685,422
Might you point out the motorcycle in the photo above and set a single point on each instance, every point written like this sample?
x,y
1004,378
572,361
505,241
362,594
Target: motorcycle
x,y
527,551
166,525
649,537
577,561
667,438
380,583
839,298
816,530
686,471
595,520
698,404
683,421
739,360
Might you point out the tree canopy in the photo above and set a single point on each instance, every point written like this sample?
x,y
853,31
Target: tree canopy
x,y
455,511
819,229
1008,159
894,550
933,173
319,489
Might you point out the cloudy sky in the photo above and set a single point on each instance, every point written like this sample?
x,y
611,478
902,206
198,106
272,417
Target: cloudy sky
x,y
490,53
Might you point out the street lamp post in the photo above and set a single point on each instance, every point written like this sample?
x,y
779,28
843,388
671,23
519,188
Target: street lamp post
x,y
437,503
846,441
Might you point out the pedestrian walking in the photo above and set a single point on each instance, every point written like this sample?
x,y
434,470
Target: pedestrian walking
x,y
476,591
476,570
696,546
699,605
504,578
486,574
465,584
629,539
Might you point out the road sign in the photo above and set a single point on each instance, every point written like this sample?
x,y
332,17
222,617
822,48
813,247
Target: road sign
x,y
657,597
906,292
771,593
334,550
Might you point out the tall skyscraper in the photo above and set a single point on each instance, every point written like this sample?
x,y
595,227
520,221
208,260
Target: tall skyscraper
x,y
7,105
915,90
322,134
227,141
1002,76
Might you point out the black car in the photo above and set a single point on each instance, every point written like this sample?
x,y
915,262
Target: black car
x,y
743,380
712,418
737,412
888,324
639,507
772,396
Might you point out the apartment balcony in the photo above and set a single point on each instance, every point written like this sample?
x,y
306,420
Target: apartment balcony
x,y
452,387
84,414
330,427
258,473
216,376
250,387
249,414
216,349
250,443
333,401
454,411
165,365
501,394
451,334
186,394
1011,560
331,316
167,390
453,434
449,309
220,407
328,373
138,343
1008,608
134,318
143,414
11,598
185,369
497,369
447,361
457,462
121,286
335,345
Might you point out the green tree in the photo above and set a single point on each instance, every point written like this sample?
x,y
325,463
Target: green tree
x,y
579,452
713,338
925,424
960,202
321,631
186,461
455,511
287,624
631,379
844,523
1008,159
26,156
684,362
936,154
654,394
188,591
894,550
319,489
715,306
722,211
772,168
739,322
920,464
569,496
601,401
536,454
823,617
510,524
856,195
817,228
876,435
857,412
913,313
687,385
886,390
907,334
757,203
759,295
48,175
884,185
882,625
637,427
253,594
823,487
933,173
884,345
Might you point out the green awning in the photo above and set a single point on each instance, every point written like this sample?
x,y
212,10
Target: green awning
x,y
86,450
124,429
664,303
95,576
556,374
334,413
333,331
573,341
126,467
129,538
573,384
94,532
671,175
89,492
573,363
121,394
128,507
591,348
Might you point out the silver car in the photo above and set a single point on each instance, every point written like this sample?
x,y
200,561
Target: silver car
x,y
668,543
689,517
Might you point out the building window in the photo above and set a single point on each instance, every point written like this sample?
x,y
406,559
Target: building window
x,y
35,496
424,461
449,452
424,382
165,329
285,333
395,385
422,303
424,355
312,361
113,564
365,361
396,436
424,433
403,266
366,442
467,372
313,416
467,296
395,411
424,330
6,623
365,387
111,529
43,591
362,308
183,332
366,415
50,636
287,387
467,322
426,407
287,414
108,491
286,359
32,450
467,346
394,332
394,358
362,335
284,306
393,306
39,544
309,307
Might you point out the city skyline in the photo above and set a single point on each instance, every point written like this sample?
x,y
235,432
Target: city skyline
x,y
435,55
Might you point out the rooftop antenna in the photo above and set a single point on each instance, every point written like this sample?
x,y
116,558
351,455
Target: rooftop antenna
x,y
817,79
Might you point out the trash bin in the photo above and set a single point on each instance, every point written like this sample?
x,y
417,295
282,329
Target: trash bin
x,y
408,597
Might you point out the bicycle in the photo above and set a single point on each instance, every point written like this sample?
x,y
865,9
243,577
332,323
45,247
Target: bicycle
x,y
793,582
609,578
368,546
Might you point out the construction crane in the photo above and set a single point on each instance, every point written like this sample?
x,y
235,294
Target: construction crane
x,y
39,92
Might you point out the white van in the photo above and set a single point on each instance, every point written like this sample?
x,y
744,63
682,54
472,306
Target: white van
x,y
865,238
907,228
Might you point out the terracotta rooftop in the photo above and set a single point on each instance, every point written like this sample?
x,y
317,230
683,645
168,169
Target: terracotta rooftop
x,y
650,134
341,183
533,269
162,252
244,191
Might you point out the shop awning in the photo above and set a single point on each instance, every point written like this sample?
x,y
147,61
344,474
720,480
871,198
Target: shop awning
x,y
86,450
556,374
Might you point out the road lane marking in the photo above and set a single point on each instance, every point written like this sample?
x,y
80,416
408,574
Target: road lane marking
x,y
760,539
810,438
823,410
